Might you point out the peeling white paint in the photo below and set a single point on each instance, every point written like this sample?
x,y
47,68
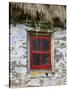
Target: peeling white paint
x,y
18,50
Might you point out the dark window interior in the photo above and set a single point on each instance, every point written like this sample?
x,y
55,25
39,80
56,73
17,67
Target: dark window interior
x,y
45,44
36,59
45,59
36,44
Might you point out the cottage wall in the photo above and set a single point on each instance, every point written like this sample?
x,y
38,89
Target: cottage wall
x,y
19,74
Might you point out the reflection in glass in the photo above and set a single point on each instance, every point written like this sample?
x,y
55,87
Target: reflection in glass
x,y
45,59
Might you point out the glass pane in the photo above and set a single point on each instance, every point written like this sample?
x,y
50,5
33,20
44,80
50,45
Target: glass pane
x,y
36,45
45,59
45,44
36,59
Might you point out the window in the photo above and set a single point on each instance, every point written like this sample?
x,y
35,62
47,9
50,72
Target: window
x,y
40,52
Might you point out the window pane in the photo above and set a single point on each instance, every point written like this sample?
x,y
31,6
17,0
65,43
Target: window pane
x,y
36,59
45,59
45,45
36,45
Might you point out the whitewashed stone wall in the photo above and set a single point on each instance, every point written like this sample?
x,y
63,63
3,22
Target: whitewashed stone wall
x,y
19,76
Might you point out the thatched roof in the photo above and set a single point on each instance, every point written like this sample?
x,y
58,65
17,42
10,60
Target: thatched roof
x,y
53,15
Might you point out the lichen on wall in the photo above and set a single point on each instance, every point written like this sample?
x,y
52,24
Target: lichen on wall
x,y
19,76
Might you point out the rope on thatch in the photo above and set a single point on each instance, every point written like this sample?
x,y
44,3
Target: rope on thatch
x,y
54,15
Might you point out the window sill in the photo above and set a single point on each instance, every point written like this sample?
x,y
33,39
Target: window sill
x,y
41,73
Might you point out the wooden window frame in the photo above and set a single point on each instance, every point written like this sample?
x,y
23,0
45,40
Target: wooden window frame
x,y
46,67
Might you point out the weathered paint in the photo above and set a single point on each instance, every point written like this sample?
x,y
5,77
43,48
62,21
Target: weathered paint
x,y
20,72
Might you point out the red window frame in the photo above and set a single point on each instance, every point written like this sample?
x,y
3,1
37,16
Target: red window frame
x,y
48,66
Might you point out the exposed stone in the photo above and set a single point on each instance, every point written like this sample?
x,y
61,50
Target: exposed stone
x,y
33,82
18,64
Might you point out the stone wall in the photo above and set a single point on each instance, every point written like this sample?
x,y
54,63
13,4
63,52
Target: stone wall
x,y
19,76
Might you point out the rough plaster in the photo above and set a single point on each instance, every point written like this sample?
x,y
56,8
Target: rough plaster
x,y
19,76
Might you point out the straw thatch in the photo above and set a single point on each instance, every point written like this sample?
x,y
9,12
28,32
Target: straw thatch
x,y
54,15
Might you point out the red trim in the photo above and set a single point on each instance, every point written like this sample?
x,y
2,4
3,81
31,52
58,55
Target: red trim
x,y
41,37
41,67
48,66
